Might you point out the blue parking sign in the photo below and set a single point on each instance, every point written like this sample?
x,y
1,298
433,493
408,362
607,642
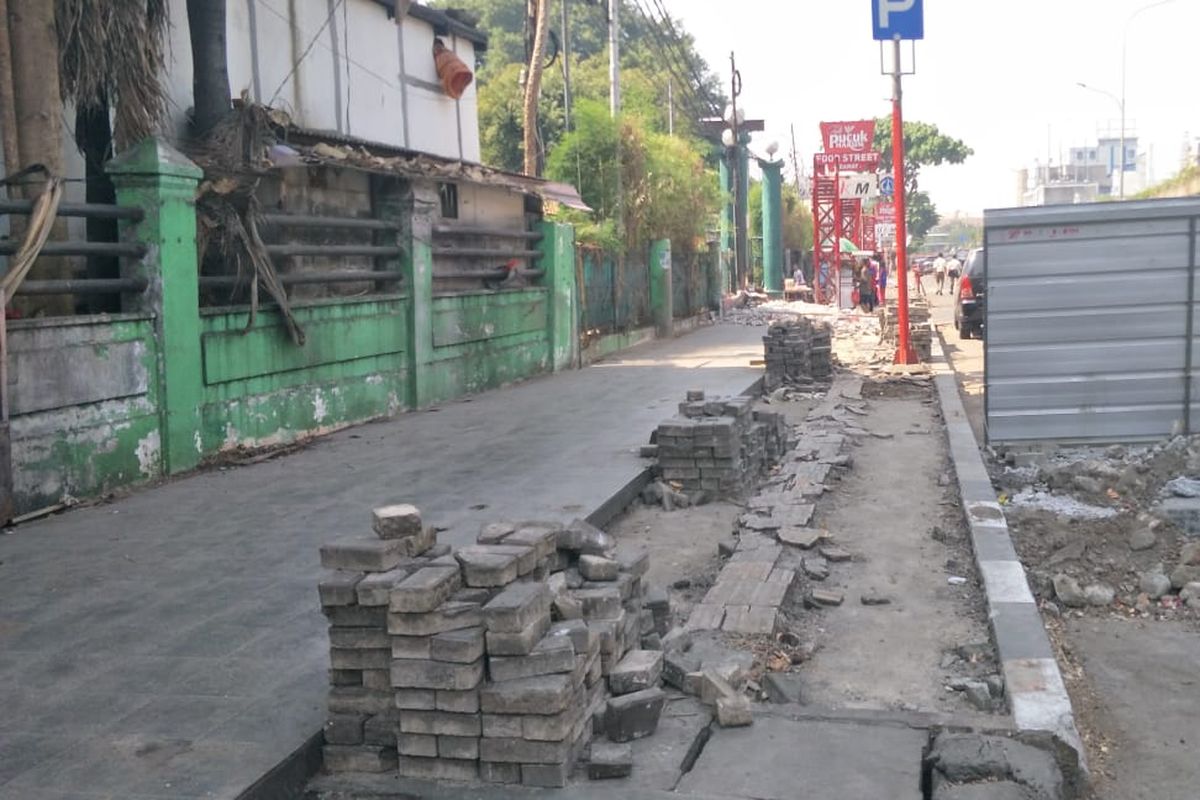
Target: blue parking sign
x,y
898,19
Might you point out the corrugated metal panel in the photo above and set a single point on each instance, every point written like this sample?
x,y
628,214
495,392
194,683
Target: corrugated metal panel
x,y
1092,321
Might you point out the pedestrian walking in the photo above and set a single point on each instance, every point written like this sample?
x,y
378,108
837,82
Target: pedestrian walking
x,y
884,269
939,272
866,286
953,270
918,282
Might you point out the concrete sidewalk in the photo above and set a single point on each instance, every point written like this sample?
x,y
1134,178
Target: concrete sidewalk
x,y
171,645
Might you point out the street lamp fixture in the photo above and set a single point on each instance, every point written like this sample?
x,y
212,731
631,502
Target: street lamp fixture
x,y
1120,101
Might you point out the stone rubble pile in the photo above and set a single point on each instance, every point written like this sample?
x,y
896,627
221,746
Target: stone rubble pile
x,y
798,353
919,327
489,662
719,446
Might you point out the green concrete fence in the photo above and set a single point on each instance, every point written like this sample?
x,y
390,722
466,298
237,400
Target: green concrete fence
x,y
105,401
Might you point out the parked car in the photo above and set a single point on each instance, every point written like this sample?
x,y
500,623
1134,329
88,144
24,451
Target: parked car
x,y
970,303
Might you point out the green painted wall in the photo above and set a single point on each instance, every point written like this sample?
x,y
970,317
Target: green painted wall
x,y
260,388
137,396
481,341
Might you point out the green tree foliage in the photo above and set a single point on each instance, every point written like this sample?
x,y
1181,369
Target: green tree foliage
x,y
921,215
924,145
797,217
668,191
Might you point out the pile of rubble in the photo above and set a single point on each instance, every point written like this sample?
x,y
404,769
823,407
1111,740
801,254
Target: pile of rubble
x,y
798,353
497,661
1114,528
715,447
920,330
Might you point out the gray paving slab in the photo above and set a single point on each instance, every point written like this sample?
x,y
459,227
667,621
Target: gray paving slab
x,y
1145,676
177,629
782,759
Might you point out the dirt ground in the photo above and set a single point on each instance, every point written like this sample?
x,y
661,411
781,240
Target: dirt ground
x,y
896,511
896,514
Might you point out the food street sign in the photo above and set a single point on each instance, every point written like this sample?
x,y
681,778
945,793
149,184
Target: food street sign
x,y
856,161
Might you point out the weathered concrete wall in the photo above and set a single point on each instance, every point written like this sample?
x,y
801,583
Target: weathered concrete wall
x,y
261,389
84,406
481,341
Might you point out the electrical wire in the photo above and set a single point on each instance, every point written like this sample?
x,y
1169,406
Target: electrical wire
x,y
307,50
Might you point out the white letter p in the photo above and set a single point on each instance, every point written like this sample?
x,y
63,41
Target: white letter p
x,y
887,7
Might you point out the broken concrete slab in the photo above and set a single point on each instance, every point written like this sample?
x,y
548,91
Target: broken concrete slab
x,y
598,568
974,757
633,716
824,597
835,761
834,554
399,521
638,670
804,538
610,760
734,712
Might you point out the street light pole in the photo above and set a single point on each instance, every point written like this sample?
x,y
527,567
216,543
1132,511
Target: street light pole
x,y
1124,50
1120,101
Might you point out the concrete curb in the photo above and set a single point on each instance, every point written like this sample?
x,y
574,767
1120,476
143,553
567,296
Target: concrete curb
x,y
1036,691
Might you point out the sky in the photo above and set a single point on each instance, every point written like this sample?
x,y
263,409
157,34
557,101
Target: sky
x,y
1000,75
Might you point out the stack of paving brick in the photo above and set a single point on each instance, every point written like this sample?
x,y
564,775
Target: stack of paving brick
x,y
466,675
920,331
798,353
720,446
361,731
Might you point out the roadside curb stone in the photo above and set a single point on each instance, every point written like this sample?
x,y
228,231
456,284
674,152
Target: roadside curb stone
x,y
1034,685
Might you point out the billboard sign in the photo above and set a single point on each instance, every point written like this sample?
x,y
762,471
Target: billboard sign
x,y
845,138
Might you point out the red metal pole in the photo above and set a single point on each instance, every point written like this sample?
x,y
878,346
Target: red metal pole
x,y
905,354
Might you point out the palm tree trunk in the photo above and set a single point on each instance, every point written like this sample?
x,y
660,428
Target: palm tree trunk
x,y
210,72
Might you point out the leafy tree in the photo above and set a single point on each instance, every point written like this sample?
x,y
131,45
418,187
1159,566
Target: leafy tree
x,y
797,217
924,145
666,189
921,215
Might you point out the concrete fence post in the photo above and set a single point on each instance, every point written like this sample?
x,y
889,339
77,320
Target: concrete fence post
x,y
558,260
418,280
162,182
661,294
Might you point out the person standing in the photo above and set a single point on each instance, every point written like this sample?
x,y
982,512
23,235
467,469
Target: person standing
x,y
884,269
866,286
939,272
953,270
919,284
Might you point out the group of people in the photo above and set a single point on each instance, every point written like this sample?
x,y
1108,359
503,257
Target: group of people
x,y
871,277
944,268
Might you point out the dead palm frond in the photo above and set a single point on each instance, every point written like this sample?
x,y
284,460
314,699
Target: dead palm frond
x,y
111,53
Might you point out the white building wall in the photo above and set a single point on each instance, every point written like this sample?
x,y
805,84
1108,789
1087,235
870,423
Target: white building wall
x,y
363,90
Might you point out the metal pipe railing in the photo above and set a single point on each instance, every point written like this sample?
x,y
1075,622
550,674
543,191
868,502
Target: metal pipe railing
x,y
374,251
308,221
350,276
93,210
476,230
84,286
484,252
120,249
524,273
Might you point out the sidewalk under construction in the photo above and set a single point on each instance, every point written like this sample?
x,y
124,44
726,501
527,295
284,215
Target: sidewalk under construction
x,y
170,643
